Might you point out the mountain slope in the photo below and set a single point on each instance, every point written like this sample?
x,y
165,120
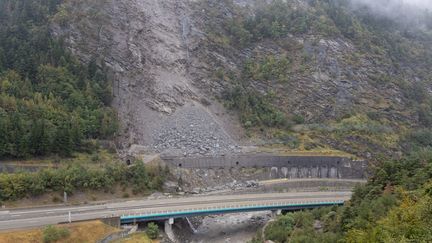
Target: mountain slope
x,y
309,74
50,103
353,80
146,45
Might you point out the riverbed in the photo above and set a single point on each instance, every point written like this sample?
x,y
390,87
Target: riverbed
x,y
228,228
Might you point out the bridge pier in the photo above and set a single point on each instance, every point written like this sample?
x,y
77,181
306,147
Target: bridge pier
x,y
275,213
168,229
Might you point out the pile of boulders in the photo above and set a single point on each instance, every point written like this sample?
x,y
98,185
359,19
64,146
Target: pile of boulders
x,y
192,132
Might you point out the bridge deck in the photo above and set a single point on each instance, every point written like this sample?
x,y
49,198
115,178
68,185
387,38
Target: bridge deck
x,y
149,216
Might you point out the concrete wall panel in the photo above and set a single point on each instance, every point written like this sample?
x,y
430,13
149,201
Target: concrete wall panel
x,y
284,166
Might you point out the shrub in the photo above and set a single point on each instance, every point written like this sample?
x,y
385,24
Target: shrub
x,y
53,234
281,229
255,110
152,230
421,137
298,119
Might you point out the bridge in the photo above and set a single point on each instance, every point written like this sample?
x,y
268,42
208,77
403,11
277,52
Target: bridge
x,y
241,203
168,209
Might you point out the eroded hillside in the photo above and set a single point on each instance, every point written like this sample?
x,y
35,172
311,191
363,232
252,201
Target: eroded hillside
x,y
309,74
147,45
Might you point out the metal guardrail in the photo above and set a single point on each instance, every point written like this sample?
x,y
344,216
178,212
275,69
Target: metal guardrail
x,y
227,208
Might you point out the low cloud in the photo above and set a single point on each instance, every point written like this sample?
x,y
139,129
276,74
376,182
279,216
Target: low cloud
x,y
422,4
395,7
411,12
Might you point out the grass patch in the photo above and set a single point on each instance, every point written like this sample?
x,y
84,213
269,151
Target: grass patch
x,y
286,151
136,238
79,233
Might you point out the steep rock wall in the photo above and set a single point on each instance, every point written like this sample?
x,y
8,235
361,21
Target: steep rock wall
x,y
146,44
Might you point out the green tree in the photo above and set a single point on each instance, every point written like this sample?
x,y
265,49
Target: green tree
x,y
39,138
52,234
5,131
63,141
139,177
19,142
76,132
280,230
109,124
152,230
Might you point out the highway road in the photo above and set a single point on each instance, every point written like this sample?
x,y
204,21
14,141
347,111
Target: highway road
x,y
36,217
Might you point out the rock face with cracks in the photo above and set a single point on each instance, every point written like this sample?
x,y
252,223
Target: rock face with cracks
x,y
147,46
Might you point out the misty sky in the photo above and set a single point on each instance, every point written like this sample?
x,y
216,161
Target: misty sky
x,y
399,10
420,3
390,4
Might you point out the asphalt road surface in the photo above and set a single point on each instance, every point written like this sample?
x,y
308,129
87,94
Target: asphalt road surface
x,y
36,217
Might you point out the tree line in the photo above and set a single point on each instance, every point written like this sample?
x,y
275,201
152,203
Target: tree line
x,y
79,177
50,103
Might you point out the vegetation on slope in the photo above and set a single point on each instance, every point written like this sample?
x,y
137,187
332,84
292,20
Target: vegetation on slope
x,y
54,106
394,206
81,177
49,102
387,54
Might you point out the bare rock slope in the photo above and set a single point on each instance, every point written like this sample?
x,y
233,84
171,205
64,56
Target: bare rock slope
x,y
146,44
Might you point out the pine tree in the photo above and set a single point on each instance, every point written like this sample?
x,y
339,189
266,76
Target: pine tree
x,y
4,138
39,138
76,133
63,141
19,136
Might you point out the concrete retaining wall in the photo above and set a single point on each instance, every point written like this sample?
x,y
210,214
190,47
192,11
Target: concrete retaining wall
x,y
283,166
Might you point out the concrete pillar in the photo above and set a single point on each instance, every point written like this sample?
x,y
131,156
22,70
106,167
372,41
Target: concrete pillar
x,y
168,229
275,213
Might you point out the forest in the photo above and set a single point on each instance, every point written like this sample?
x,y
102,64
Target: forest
x,y
50,103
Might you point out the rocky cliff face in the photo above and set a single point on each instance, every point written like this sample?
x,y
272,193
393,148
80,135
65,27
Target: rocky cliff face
x,y
147,45
165,57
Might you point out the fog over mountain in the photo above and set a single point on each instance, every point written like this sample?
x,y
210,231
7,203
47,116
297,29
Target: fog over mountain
x,y
420,3
412,13
389,5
